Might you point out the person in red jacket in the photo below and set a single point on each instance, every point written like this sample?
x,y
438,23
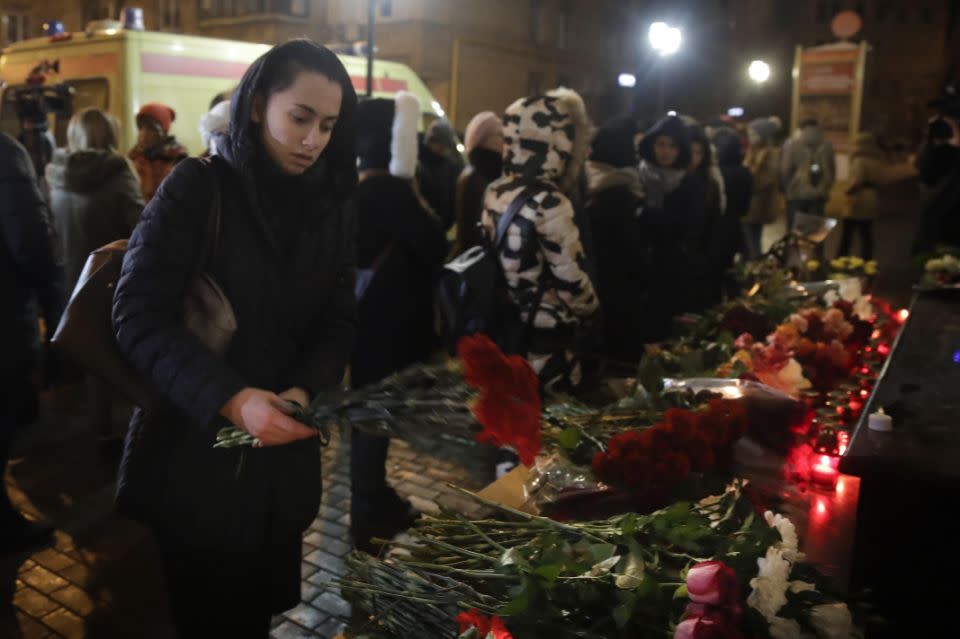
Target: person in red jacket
x,y
156,152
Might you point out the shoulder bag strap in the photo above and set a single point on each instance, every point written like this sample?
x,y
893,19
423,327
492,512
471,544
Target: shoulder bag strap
x,y
508,216
211,230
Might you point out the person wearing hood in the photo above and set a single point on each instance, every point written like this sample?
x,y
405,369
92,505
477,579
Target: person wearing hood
x,y
674,204
938,164
156,151
229,522
95,199
483,142
401,249
29,272
710,242
869,170
440,166
738,185
546,139
808,171
214,125
763,163
614,198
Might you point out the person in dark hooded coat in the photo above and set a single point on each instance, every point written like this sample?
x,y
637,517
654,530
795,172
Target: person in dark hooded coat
x,y
95,199
614,201
401,248
229,521
674,203
29,274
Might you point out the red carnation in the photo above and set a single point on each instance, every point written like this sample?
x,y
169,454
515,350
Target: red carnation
x,y
681,424
508,406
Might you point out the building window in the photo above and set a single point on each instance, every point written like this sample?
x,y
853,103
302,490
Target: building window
x,y
97,11
168,14
386,8
240,8
537,16
563,26
16,27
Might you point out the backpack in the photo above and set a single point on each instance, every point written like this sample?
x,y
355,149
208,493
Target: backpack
x,y
473,296
814,175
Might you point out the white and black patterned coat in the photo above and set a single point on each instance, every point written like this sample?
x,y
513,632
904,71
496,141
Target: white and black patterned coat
x,y
545,144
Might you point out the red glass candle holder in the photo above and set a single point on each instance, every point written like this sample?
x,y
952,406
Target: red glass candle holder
x,y
823,470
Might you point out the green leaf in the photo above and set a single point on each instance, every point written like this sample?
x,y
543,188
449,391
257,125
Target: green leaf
x,y
623,613
549,572
630,525
602,552
569,438
681,592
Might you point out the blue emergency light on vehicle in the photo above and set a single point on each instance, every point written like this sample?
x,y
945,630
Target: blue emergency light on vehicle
x,y
53,28
133,18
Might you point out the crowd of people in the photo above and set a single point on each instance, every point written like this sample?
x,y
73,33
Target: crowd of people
x,y
336,220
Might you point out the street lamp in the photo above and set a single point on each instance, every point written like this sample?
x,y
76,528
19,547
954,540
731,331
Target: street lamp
x,y
664,39
759,71
627,80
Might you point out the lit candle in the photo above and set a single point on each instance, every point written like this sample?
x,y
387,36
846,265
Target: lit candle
x,y
824,472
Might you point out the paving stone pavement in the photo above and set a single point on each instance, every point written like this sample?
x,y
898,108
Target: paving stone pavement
x,y
101,578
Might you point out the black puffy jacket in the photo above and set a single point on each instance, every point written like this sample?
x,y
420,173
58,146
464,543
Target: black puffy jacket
x,y
288,267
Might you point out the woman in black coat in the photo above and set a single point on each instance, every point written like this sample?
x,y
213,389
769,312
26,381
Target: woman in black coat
x,y
614,201
28,268
229,521
675,203
401,247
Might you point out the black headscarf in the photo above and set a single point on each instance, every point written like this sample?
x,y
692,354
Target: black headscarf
x,y
674,128
274,71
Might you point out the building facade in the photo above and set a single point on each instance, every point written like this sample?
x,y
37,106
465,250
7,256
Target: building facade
x,y
476,55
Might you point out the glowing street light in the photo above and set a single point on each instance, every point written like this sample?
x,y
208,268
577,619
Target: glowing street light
x,y
627,80
664,39
759,71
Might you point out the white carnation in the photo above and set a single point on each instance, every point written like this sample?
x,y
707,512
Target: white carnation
x,y
781,628
831,621
830,297
850,289
789,543
769,593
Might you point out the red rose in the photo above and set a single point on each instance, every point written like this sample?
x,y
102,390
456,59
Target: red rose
x,y
701,455
706,628
681,424
713,582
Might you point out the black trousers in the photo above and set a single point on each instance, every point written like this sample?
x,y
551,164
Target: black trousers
x,y
229,594
368,475
7,511
862,227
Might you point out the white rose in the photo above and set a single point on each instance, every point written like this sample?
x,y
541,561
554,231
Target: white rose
x,y
781,628
831,621
830,297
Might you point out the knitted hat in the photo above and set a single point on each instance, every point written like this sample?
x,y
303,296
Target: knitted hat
x,y
159,113
482,131
614,143
766,128
387,134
